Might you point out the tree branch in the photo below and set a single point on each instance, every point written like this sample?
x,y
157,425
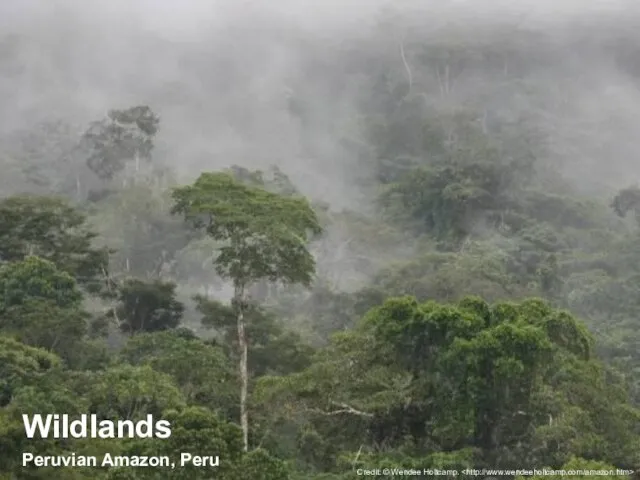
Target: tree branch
x,y
355,460
406,65
344,408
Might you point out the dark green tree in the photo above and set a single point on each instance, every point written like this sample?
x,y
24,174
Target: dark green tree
x,y
262,235
124,136
56,231
147,306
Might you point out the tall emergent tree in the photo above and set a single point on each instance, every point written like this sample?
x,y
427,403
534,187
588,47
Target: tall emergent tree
x,y
263,237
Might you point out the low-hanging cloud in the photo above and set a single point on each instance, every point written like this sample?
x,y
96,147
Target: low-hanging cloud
x,y
224,74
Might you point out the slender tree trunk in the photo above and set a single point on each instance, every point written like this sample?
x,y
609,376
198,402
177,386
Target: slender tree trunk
x,y
78,188
244,374
447,86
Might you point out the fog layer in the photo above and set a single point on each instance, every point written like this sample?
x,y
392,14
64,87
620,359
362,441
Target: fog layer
x,y
223,76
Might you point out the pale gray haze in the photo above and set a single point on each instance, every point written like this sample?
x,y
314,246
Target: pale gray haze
x,y
289,82
220,73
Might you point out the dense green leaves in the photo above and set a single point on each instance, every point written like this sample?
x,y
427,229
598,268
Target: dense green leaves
x,y
41,305
204,374
429,378
147,307
137,224
132,392
196,429
52,229
263,237
266,232
37,278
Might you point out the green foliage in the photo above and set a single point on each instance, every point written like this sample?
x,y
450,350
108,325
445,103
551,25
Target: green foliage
x,y
31,383
273,349
121,137
263,237
37,278
438,379
205,376
53,230
627,199
265,233
131,392
135,222
481,269
196,429
22,365
40,304
273,180
147,306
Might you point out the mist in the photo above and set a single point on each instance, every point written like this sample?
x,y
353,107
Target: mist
x,y
288,83
220,75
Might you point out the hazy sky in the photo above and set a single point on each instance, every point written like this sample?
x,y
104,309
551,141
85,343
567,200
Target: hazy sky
x,y
220,74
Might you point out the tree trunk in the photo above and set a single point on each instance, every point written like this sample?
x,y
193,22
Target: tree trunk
x,y
78,188
244,374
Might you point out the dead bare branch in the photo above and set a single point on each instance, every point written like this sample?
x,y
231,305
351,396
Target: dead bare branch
x,y
344,408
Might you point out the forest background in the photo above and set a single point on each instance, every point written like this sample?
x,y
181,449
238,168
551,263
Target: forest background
x,y
322,237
